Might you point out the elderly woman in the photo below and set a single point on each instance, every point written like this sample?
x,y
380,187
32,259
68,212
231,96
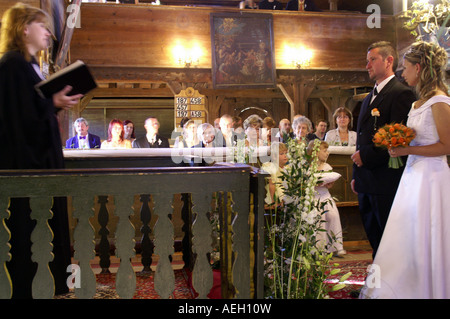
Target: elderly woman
x,y
302,128
252,127
342,135
188,137
206,135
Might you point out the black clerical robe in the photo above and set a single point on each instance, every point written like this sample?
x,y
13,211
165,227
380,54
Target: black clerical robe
x,y
30,138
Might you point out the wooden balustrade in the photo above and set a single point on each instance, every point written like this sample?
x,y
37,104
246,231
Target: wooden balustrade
x,y
241,244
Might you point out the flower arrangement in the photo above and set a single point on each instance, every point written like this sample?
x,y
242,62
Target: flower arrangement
x,y
394,135
296,263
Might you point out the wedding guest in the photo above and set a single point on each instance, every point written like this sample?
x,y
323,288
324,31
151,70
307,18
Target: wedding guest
x,y
116,138
413,258
248,4
321,129
279,159
207,136
270,5
237,125
188,137
266,133
332,239
252,126
83,139
309,5
373,181
31,139
302,127
128,129
285,132
342,135
226,128
217,123
152,139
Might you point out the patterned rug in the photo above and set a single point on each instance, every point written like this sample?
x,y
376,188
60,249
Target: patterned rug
x,y
183,284
353,283
106,287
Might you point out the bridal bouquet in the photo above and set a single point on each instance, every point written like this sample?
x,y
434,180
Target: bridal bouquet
x,y
394,135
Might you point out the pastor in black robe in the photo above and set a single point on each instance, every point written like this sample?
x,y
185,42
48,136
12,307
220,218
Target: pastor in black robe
x,y
30,137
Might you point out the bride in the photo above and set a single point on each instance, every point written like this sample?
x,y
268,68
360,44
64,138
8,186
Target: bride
x,y
413,259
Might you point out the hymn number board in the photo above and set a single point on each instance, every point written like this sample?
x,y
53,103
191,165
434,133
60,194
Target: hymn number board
x,y
189,103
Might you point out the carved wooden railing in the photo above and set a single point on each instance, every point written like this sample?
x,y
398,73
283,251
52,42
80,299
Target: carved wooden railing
x,y
242,271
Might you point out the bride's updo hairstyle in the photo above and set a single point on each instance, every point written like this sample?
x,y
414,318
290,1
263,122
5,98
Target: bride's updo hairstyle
x,y
432,60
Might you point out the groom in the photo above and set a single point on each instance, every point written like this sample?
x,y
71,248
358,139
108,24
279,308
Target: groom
x,y
373,181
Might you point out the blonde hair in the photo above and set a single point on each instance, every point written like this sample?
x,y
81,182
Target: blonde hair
x,y
14,21
432,60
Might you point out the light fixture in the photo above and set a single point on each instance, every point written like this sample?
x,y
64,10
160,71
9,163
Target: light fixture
x,y
187,57
299,57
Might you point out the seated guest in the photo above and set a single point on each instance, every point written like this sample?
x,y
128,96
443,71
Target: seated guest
x,y
342,135
247,4
270,5
292,5
321,130
285,132
188,137
152,139
227,134
207,136
83,139
302,127
128,128
237,125
252,126
115,136
266,133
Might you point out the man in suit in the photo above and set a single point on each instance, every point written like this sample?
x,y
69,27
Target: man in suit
x,y
227,136
373,181
152,139
83,139
285,133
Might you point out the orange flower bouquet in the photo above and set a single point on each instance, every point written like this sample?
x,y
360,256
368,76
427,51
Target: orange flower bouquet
x,y
394,135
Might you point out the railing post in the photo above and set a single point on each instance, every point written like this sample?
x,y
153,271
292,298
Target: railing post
x,y
202,275
164,236
5,255
84,245
43,286
126,278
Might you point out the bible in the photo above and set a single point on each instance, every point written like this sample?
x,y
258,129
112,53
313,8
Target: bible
x,y
77,75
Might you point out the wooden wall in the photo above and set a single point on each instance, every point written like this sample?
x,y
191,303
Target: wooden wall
x,y
143,35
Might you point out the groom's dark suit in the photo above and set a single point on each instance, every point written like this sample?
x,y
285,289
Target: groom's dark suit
x,y
376,183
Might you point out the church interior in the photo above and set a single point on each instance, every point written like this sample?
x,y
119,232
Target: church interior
x,y
144,55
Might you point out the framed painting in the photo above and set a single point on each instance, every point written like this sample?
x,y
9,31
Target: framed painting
x,y
242,50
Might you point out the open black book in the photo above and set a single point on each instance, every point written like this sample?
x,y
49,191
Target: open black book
x,y
77,75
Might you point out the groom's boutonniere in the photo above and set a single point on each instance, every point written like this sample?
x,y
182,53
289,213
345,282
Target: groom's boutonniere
x,y
375,113
159,141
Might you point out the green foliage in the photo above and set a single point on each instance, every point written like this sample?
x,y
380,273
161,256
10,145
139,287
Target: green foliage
x,y
296,262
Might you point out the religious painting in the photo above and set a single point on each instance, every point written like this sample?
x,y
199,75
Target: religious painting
x,y
242,50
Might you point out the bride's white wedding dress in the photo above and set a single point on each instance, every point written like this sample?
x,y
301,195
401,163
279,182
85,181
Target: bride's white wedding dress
x,y
413,260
